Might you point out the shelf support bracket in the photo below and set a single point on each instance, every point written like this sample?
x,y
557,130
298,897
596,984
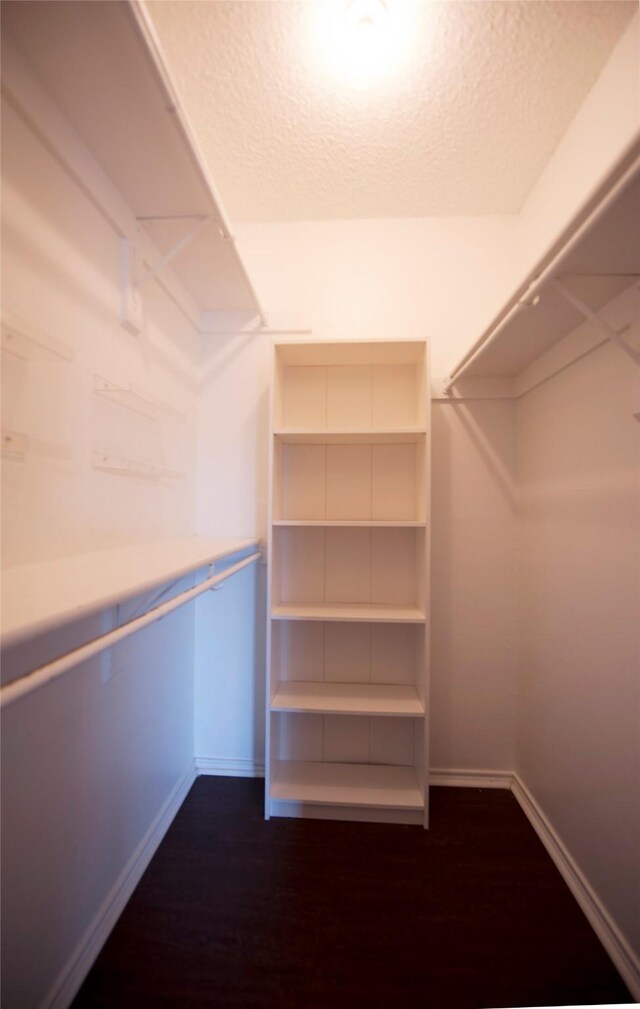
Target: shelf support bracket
x,y
202,223
607,331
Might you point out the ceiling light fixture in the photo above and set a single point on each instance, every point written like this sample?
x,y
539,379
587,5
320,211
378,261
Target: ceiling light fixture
x,y
365,15
360,42
364,22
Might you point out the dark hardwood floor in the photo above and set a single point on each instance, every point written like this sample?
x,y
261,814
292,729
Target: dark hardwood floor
x,y
311,914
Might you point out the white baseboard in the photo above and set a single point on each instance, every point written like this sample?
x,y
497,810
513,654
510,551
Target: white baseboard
x,y
627,964
68,982
463,778
238,768
233,768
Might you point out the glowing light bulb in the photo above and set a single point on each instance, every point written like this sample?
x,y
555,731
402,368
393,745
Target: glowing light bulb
x,y
365,15
364,41
359,42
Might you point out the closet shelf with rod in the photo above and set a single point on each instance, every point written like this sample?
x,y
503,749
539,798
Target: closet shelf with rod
x,y
595,259
131,145
38,598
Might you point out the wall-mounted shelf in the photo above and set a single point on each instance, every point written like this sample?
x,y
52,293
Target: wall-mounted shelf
x,y
134,126
137,468
125,467
19,446
39,597
31,346
133,399
598,259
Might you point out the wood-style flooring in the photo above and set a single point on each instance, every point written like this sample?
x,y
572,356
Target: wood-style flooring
x,y
312,914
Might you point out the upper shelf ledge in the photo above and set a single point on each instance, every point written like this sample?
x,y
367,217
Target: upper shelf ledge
x,y
103,66
38,597
595,258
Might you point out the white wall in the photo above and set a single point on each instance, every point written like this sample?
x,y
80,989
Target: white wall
x,y
579,686
90,761
440,278
474,571
230,676
89,765
605,125
60,269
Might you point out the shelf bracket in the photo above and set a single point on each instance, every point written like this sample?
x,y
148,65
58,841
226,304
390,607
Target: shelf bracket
x,y
202,223
607,331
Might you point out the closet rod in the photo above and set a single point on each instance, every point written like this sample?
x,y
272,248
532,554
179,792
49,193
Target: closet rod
x,y
52,670
592,211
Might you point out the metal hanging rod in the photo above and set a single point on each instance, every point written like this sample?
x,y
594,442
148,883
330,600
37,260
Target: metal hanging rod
x,y
52,670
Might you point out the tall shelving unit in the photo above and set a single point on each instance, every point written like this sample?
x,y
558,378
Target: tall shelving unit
x,y
348,656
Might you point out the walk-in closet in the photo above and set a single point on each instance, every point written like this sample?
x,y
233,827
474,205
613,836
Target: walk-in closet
x,y
320,503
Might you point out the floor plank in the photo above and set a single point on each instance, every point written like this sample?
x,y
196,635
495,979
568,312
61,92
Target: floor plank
x,y
236,911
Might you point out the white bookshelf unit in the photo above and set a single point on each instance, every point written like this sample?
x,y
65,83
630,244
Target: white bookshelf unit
x,y
347,636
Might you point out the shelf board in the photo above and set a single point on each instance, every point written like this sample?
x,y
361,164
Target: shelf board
x,y
133,126
353,523
597,268
133,399
536,329
366,785
28,345
39,597
390,436
355,352
347,698
349,611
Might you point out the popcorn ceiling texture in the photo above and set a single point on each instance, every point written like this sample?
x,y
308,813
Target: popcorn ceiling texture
x,y
465,126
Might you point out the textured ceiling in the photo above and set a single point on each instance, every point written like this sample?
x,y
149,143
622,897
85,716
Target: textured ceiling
x,y
470,101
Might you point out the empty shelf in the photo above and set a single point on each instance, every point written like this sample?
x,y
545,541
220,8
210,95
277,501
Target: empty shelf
x,y
347,784
132,399
348,611
348,698
27,345
354,523
597,267
39,597
394,436
135,129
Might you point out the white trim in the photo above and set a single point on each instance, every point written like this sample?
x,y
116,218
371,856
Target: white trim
x,y
465,778
623,957
67,984
619,950
230,767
